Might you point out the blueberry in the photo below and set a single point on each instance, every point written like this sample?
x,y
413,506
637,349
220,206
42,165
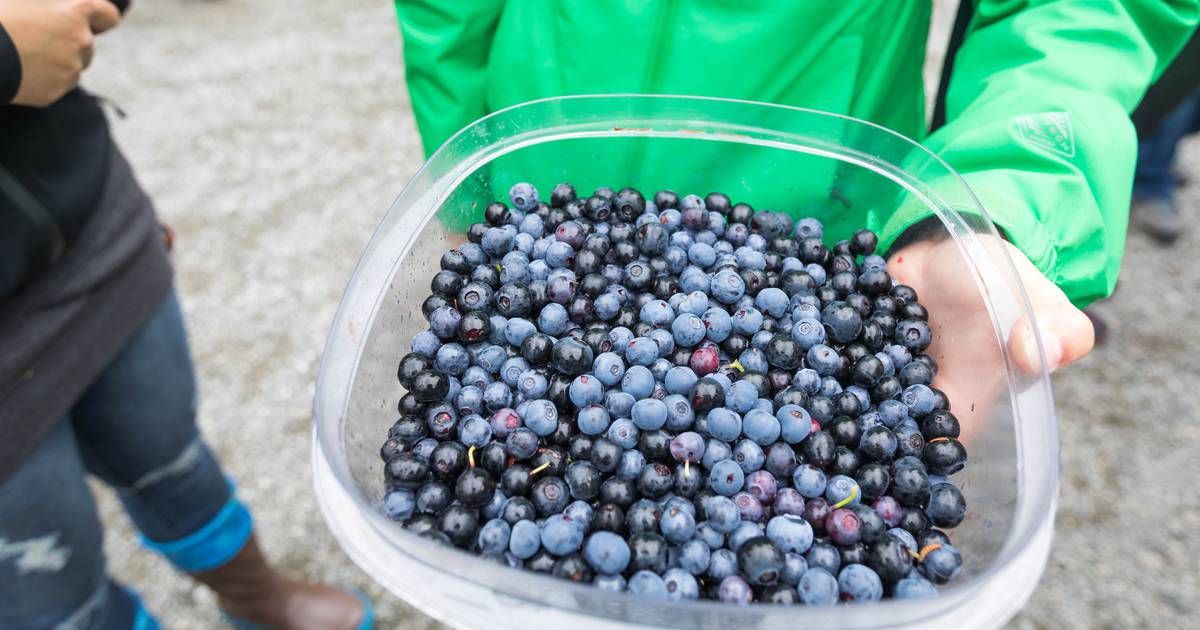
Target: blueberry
x,y
919,399
549,495
843,526
938,424
521,443
889,557
623,432
857,582
607,553
541,417
809,481
474,487
406,471
648,584
560,535
913,334
679,413
942,564
727,286
842,322
909,441
532,384
399,504
608,368
726,477
734,590
808,332
649,414
694,556
878,443
891,412
641,351
823,359
842,488
571,357
722,563
723,424
946,507
914,587
688,330
794,568
654,480
807,380
657,313
817,587
493,537
910,486
583,481
704,361
760,560
677,525
944,456
610,583
586,390
760,426
525,539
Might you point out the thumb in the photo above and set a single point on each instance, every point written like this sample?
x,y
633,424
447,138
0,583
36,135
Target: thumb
x,y
1066,336
104,16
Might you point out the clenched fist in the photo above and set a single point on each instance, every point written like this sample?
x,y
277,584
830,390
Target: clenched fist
x,y
54,41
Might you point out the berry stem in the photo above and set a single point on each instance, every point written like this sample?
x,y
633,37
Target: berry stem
x,y
926,550
844,502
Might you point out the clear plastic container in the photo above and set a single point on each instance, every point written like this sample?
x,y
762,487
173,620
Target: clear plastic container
x,y
769,156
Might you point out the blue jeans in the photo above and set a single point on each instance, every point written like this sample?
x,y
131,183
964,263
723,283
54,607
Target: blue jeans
x,y
1156,154
135,430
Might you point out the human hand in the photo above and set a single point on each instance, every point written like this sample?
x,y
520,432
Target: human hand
x,y
971,368
54,41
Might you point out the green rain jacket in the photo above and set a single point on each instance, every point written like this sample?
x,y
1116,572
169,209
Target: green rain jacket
x,y
1037,107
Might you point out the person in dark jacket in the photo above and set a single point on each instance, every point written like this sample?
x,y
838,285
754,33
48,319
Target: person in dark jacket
x,y
95,372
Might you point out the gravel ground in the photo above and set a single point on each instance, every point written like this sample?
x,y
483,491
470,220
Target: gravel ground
x,y
272,135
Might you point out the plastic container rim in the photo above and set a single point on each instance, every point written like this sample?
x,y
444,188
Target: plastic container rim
x,y
1018,537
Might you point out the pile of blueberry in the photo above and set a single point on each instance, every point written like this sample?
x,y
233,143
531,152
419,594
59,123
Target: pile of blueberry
x,y
680,398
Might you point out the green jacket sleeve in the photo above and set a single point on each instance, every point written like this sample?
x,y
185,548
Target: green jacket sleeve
x,y
446,47
1038,125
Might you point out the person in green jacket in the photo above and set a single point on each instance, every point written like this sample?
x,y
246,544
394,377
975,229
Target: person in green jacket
x,y
1037,115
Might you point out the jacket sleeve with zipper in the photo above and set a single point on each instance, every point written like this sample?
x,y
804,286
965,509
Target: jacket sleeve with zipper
x,y
446,48
1038,125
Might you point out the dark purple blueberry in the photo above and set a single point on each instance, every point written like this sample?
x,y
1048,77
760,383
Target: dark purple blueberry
x,y
944,455
648,551
940,424
707,394
818,449
492,458
515,480
448,460
406,471
411,365
760,561
474,487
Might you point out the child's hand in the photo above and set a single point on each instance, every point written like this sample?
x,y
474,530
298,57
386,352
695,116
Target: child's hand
x,y
54,41
971,369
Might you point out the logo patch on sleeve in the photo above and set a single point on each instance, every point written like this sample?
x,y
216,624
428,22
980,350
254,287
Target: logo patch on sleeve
x,y
1048,130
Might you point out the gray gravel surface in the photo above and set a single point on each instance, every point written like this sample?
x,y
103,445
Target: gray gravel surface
x,y
273,134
